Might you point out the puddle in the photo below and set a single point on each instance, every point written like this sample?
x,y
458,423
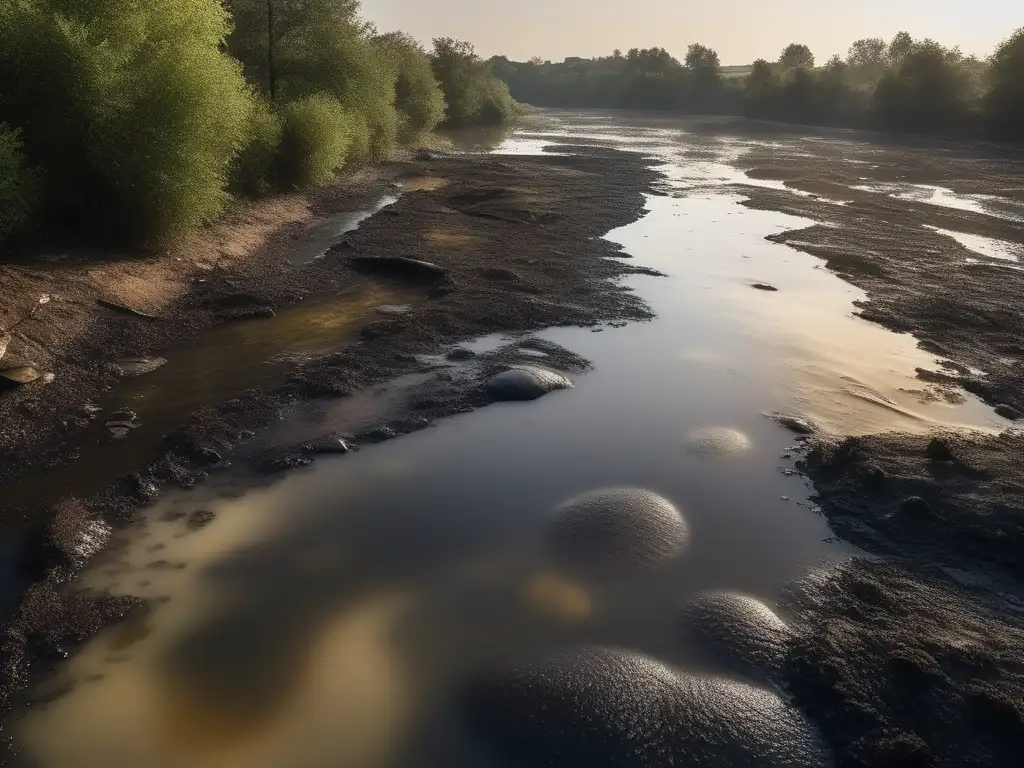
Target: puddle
x,y
984,246
988,205
334,617
222,364
317,242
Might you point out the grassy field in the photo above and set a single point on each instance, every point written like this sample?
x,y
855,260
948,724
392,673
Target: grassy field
x,y
741,70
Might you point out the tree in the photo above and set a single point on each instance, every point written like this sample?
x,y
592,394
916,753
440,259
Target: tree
x,y
869,59
418,96
701,58
1004,101
900,46
797,55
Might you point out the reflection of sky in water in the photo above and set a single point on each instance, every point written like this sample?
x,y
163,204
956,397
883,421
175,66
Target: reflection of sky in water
x,y
330,618
984,246
988,205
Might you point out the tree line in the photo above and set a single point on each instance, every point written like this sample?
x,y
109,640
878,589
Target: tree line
x,y
140,121
903,84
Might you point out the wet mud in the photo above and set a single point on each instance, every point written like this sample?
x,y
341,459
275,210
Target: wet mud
x,y
510,244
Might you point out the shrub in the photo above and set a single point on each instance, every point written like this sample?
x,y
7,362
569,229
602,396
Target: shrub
x,y
317,135
131,108
418,96
18,186
254,171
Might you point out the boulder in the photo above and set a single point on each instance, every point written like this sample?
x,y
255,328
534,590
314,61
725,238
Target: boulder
x,y
618,527
526,382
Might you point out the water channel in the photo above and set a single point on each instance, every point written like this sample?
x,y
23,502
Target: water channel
x,y
332,618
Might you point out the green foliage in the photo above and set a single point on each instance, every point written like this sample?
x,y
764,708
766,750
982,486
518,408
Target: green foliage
x,y
472,92
797,56
130,108
418,96
291,49
18,186
1004,101
254,171
315,142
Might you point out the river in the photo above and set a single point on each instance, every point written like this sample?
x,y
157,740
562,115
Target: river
x,y
331,619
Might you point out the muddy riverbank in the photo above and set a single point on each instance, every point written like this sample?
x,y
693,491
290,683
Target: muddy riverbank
x,y
515,244
281,612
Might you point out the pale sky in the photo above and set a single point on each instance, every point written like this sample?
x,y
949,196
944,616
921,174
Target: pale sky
x,y
740,30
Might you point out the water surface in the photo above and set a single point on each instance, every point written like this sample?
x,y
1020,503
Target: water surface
x,y
331,619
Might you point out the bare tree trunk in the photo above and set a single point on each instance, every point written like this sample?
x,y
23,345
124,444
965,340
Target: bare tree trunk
x,y
271,67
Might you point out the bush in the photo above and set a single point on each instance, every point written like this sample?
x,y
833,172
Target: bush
x,y
131,109
321,47
317,135
472,93
418,96
254,171
18,186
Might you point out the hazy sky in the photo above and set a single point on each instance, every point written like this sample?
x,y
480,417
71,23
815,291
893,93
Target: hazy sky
x,y
740,30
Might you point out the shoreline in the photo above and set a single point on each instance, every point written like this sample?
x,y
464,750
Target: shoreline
x,y
519,243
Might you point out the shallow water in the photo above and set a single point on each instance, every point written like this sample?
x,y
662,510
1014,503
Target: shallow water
x,y
221,364
331,619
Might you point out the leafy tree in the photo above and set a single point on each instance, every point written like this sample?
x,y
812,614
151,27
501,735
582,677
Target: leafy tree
x,y
900,46
795,56
1004,101
418,96
471,91
316,140
701,58
132,111
868,59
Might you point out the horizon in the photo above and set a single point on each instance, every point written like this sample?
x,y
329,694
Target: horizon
x,y
558,29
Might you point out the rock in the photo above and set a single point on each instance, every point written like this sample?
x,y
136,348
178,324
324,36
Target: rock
x,y
137,366
916,507
740,631
394,309
939,450
764,287
526,382
618,527
795,424
19,375
200,519
459,353
208,456
126,310
327,445
399,266
610,708
379,435
717,442
1009,412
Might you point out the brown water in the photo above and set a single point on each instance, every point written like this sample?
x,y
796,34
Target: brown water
x,y
222,364
331,620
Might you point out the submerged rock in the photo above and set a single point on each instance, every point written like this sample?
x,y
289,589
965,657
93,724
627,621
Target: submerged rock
x,y
1009,412
619,527
764,287
795,423
740,631
526,382
398,265
609,708
717,442
137,366
19,375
